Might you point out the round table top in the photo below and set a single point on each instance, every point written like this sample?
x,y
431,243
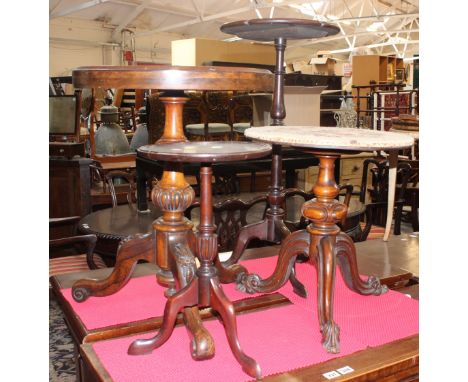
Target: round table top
x,y
205,152
119,222
413,133
335,138
173,77
270,29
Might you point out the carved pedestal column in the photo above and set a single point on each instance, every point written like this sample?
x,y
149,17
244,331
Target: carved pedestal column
x,y
324,212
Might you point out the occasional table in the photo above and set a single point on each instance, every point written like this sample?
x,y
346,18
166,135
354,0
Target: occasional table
x,y
172,227
202,288
272,228
112,225
322,242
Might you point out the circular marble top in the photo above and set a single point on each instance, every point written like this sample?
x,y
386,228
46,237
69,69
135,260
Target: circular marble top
x,y
338,138
167,77
270,29
414,134
205,151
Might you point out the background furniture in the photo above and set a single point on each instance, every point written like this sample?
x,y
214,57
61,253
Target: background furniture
x,y
62,254
377,193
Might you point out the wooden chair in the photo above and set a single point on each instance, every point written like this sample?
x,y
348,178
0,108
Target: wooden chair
x,y
410,213
229,216
376,209
111,191
214,125
240,115
63,254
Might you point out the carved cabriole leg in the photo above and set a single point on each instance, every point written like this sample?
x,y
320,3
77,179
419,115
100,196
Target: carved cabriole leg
x,y
346,255
225,308
295,244
184,267
138,247
324,212
185,297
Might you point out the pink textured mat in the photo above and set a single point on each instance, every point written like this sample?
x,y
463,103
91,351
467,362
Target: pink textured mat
x,y
124,307
280,339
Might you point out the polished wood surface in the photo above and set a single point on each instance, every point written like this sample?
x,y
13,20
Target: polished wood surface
x,y
120,222
208,152
173,78
270,29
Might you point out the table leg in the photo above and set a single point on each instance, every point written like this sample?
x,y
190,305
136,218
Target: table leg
x,y
138,247
392,161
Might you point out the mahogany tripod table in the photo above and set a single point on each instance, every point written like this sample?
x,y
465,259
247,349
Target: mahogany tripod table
x,y
273,228
172,194
202,286
322,242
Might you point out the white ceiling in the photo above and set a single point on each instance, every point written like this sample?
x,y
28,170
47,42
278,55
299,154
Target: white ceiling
x,y
388,27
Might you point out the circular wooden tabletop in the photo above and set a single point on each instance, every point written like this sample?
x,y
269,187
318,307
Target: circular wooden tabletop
x,y
270,29
119,222
335,138
173,78
205,152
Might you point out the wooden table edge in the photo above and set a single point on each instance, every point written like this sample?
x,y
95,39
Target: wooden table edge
x,y
376,365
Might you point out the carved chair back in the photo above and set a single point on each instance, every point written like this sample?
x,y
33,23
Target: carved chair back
x,y
229,216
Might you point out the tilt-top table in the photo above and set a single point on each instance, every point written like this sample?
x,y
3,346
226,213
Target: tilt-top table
x,y
172,194
322,242
201,287
279,31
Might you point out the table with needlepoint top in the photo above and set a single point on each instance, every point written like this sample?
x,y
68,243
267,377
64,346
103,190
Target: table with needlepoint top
x,y
322,242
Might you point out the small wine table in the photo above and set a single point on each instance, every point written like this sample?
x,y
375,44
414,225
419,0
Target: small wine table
x,y
202,286
322,242
272,228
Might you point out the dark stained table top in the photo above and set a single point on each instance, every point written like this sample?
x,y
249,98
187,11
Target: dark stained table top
x,y
119,222
270,29
173,77
206,152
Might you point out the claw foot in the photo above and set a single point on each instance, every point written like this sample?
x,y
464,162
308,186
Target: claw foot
x,y
331,337
375,287
248,283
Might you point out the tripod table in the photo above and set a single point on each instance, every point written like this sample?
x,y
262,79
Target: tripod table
x,y
202,287
322,242
272,228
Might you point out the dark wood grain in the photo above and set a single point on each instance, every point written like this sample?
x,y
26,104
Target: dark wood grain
x,y
173,78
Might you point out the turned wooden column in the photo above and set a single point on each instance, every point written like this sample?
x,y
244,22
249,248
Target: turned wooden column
x,y
172,194
324,212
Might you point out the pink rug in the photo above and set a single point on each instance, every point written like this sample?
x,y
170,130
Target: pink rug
x,y
282,339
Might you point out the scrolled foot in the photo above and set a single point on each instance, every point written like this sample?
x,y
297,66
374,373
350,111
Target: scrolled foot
x,y
331,337
80,294
248,283
252,368
375,287
202,349
141,347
